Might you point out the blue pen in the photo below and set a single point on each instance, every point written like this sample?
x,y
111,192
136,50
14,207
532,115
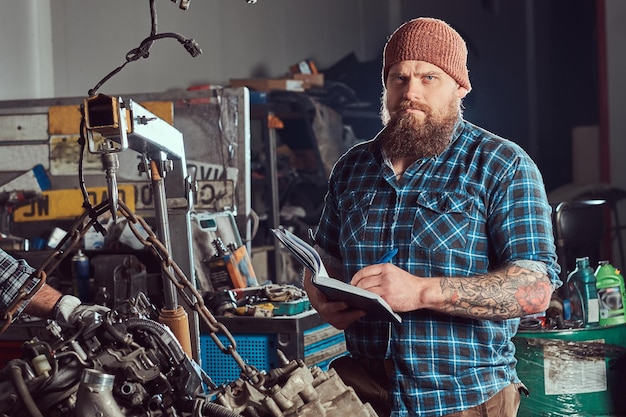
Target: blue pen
x,y
388,256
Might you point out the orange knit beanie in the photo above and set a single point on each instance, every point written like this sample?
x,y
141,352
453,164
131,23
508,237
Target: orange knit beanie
x,y
430,40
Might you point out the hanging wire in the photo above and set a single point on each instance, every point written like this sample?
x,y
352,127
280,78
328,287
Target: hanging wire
x,y
82,141
143,50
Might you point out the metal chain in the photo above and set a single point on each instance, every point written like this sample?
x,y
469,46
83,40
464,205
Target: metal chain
x,y
180,281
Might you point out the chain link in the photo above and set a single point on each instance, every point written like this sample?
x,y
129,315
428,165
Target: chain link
x,y
184,287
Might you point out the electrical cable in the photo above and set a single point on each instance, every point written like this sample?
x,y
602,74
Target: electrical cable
x,y
81,175
143,50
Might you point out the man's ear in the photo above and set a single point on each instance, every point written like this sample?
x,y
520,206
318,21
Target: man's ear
x,y
461,92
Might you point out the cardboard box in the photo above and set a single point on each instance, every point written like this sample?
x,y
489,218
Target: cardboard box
x,y
266,84
310,80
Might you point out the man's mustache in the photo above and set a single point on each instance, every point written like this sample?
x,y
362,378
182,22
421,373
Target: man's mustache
x,y
412,105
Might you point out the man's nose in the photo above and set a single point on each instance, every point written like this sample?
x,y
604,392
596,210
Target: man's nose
x,y
413,90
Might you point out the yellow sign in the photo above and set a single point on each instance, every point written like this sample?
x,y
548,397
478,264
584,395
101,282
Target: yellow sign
x,y
68,204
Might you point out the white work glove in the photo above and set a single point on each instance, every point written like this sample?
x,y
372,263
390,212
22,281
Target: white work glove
x,y
69,312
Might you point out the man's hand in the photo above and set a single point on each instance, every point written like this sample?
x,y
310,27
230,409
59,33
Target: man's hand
x,y
70,312
401,290
336,313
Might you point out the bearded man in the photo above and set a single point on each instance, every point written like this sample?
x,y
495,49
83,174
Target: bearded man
x,y
467,212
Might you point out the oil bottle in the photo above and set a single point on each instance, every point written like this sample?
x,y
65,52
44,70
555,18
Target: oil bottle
x,y
81,276
610,285
581,283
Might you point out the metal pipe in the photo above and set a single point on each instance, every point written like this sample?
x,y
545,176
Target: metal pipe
x,y
95,395
24,393
163,229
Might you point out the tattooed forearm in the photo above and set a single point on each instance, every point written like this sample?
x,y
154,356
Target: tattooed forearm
x,y
503,294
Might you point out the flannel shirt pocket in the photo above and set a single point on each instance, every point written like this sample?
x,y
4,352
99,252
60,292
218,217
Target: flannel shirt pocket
x,y
354,209
442,220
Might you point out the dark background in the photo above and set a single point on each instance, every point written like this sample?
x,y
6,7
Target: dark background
x,y
533,69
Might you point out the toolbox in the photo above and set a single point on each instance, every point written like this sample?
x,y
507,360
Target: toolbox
x,y
302,336
291,308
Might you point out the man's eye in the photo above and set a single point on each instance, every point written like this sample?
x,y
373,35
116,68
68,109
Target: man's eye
x,y
429,77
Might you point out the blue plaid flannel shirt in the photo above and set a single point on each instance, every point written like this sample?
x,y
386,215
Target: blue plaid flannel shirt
x,y
13,274
476,207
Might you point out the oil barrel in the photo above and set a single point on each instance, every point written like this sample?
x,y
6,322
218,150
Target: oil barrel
x,y
576,372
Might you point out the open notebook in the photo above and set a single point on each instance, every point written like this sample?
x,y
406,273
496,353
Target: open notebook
x,y
334,289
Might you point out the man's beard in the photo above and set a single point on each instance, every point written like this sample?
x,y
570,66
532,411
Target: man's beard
x,y
406,136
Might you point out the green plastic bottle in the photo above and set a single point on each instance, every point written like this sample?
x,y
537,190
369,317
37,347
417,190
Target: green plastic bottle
x,y
581,283
611,292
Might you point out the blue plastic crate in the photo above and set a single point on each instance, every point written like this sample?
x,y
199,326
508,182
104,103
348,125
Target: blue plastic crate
x,y
302,336
258,350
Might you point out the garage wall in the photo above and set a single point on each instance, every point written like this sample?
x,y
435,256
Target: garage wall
x,y
239,40
26,46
